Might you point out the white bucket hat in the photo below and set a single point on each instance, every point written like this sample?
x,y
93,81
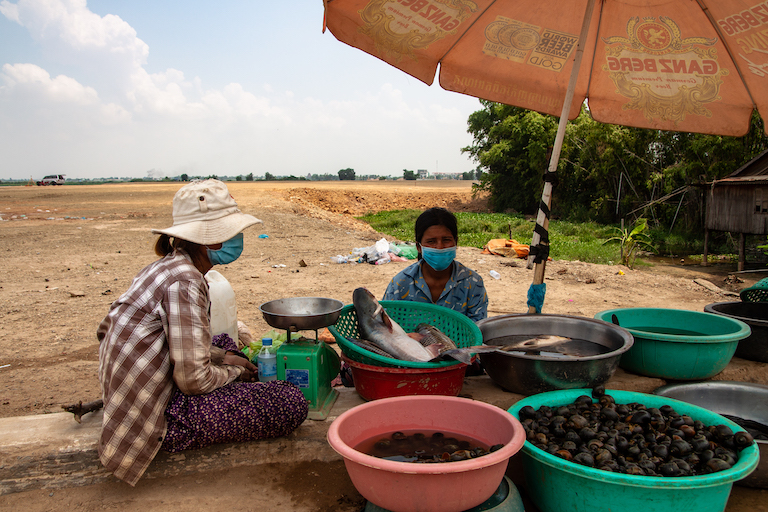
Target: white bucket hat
x,y
205,213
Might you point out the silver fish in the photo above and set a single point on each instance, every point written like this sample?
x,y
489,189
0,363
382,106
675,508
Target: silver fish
x,y
367,345
377,327
537,343
433,336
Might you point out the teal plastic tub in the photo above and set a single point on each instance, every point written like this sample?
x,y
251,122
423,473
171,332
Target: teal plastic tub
x,y
677,344
459,328
556,485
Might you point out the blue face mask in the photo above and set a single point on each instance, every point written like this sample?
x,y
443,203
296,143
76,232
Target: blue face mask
x,y
229,252
438,259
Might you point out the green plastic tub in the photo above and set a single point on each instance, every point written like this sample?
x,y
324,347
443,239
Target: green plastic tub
x,y
556,485
677,344
459,328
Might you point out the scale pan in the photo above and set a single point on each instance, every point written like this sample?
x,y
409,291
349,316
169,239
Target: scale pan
x,y
301,313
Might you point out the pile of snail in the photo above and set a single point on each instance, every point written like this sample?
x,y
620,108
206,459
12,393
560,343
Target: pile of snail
x,y
631,438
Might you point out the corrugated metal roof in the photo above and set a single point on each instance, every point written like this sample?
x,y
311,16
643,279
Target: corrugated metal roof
x,y
758,166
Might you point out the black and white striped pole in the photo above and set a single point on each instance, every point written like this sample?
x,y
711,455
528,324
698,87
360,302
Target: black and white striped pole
x,y
539,252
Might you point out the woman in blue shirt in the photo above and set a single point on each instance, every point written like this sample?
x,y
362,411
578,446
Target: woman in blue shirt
x,y
437,278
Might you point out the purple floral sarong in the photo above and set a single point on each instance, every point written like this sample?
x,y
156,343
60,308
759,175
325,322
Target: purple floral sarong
x,y
237,412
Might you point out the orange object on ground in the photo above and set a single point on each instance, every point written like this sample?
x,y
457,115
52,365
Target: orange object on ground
x,y
325,335
506,248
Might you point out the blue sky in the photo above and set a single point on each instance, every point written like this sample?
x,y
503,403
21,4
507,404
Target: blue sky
x,y
119,88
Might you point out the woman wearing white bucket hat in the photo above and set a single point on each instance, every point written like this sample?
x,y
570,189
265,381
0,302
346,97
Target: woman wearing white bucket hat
x,y
165,381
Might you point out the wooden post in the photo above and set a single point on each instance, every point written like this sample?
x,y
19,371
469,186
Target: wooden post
x,y
742,251
704,256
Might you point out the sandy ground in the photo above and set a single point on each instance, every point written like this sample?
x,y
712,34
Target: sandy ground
x,y
70,251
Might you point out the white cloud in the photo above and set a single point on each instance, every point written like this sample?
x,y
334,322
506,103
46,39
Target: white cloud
x,y
112,117
71,25
10,11
34,82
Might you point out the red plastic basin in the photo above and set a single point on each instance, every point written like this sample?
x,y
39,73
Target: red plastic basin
x,y
375,382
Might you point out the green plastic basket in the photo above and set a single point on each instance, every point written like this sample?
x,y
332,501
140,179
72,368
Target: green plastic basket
x,y
463,331
758,292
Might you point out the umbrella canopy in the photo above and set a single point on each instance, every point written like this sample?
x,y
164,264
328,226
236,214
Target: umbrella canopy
x,y
683,65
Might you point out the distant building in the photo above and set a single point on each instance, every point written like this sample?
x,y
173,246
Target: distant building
x,y
738,203
447,176
422,174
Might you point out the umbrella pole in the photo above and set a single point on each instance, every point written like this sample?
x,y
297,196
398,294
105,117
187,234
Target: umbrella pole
x,y
538,258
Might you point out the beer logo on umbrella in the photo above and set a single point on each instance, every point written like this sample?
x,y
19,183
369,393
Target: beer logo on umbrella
x,y
661,73
400,27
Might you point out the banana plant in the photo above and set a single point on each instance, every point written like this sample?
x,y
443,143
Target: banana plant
x,y
631,241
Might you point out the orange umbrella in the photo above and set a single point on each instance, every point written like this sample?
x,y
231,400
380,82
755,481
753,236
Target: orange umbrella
x,y
682,65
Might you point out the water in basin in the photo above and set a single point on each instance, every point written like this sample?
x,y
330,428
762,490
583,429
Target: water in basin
x,y
567,347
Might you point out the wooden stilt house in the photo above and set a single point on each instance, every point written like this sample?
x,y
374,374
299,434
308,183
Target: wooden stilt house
x,y
739,204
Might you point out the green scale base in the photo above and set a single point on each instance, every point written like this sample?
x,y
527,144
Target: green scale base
x,y
311,366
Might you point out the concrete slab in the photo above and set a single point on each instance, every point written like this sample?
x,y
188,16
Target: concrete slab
x,y
53,451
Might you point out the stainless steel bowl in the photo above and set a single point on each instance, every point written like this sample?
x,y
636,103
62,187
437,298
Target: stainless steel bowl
x,y
301,313
730,398
531,372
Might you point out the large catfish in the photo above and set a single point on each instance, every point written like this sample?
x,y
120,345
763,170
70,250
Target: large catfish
x,y
377,327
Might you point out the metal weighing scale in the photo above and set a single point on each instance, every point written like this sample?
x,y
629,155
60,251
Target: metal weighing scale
x,y
309,364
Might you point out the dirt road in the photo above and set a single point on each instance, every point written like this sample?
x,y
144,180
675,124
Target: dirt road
x,y
70,251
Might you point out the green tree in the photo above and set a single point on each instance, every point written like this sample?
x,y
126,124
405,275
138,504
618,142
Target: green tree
x,y
409,175
268,177
347,174
605,172
511,145
184,177
249,176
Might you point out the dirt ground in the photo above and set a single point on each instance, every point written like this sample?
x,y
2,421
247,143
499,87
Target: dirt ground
x,y
70,251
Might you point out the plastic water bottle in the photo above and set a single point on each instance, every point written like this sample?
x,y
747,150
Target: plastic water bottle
x,y
267,361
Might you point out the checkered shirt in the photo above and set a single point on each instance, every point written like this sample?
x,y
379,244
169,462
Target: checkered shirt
x,y
156,334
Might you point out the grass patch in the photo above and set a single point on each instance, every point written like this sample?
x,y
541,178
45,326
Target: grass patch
x,y
583,241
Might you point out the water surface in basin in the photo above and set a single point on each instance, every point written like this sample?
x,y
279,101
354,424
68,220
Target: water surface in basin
x,y
567,347
422,446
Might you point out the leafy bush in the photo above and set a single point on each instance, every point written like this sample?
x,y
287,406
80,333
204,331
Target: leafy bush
x,y
632,241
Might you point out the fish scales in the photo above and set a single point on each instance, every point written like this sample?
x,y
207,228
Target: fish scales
x,y
378,327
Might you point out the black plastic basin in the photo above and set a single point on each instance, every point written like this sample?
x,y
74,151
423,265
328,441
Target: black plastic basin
x,y
755,315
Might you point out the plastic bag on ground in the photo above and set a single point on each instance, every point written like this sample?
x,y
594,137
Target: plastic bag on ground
x,y
408,251
395,257
382,246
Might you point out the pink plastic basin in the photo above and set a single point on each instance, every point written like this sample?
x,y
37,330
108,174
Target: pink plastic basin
x,y
439,487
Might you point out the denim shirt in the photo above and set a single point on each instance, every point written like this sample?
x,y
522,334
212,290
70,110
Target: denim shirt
x,y
464,292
